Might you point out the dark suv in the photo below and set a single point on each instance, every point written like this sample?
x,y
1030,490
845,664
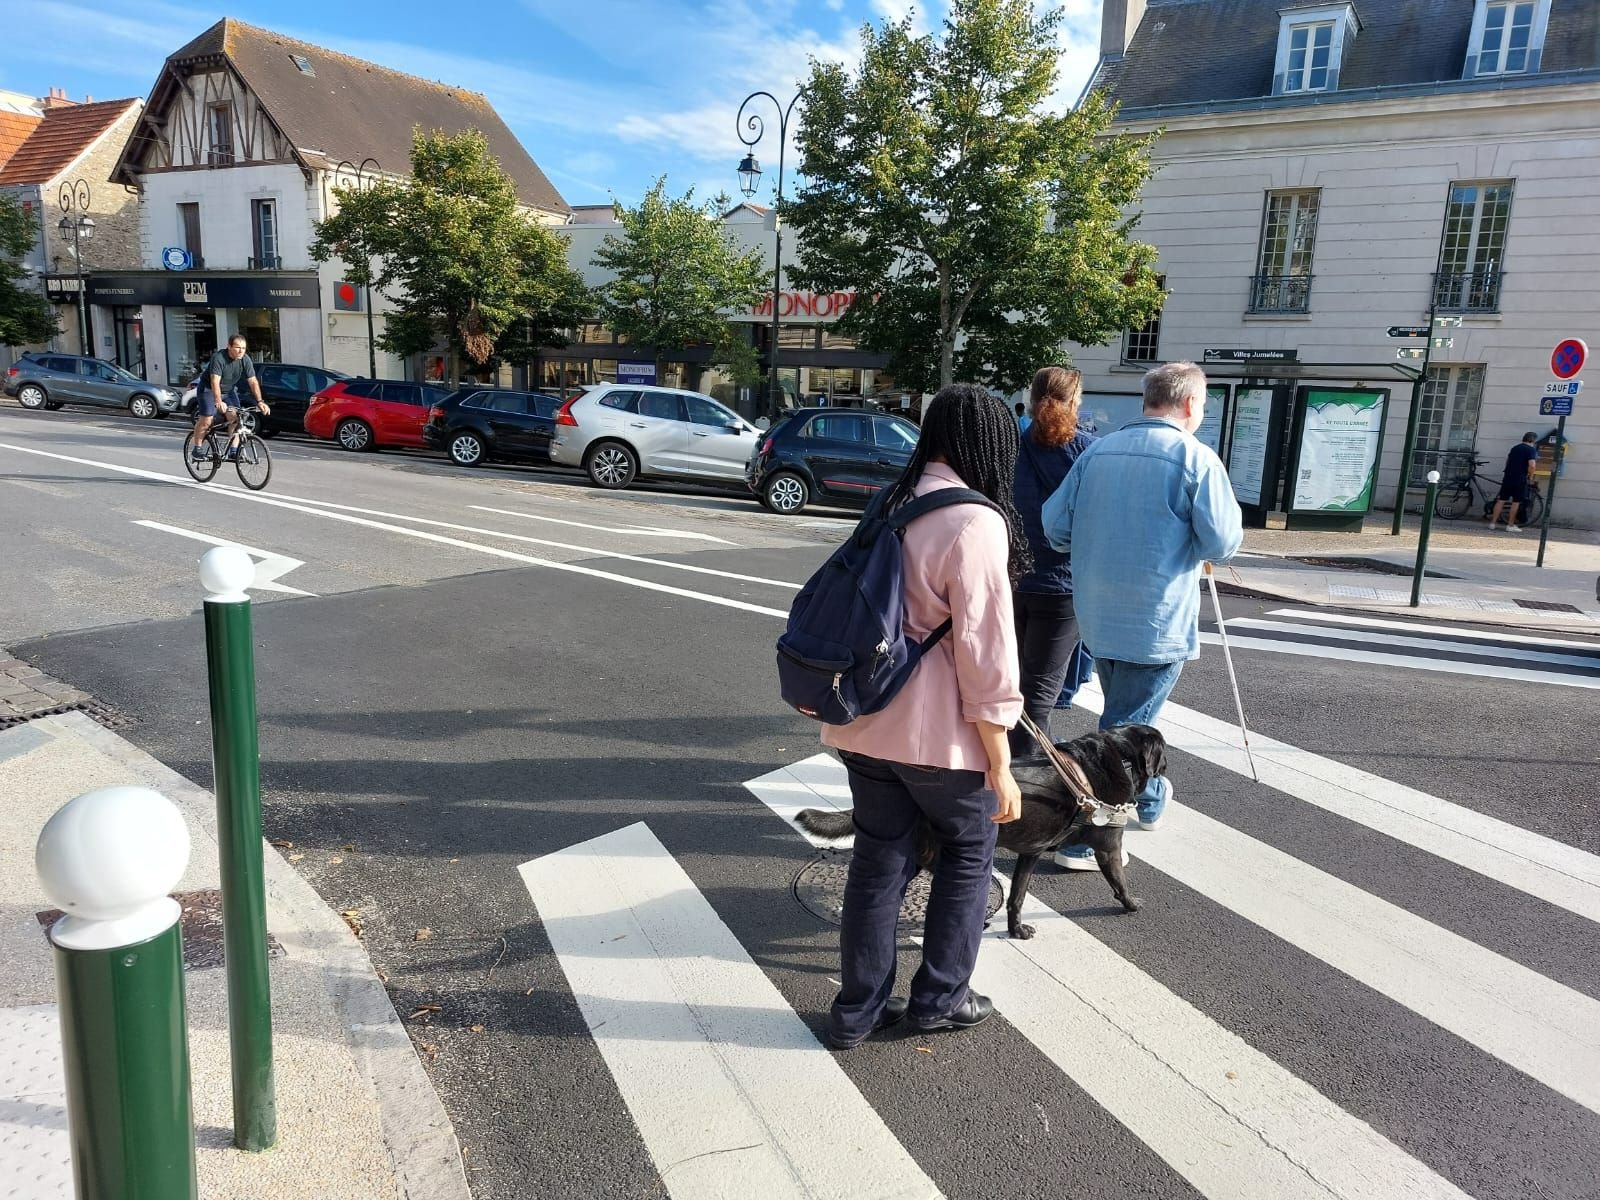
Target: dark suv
x,y
477,423
829,455
287,388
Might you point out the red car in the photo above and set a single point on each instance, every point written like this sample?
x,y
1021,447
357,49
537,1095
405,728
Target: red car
x,y
362,414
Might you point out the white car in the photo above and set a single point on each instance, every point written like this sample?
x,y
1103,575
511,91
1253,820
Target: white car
x,y
620,432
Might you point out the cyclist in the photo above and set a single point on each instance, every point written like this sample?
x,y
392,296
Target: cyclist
x,y
227,370
1514,485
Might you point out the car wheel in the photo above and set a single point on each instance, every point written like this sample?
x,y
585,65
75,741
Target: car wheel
x,y
31,395
466,449
611,465
786,493
144,407
354,435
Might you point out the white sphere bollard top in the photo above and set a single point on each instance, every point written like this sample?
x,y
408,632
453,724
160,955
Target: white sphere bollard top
x,y
1433,477
226,572
108,859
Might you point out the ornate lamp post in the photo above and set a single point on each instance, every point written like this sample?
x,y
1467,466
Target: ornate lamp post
x,y
74,199
360,176
751,130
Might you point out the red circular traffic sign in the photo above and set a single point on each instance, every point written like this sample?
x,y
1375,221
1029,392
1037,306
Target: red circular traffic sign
x,y
347,294
1568,357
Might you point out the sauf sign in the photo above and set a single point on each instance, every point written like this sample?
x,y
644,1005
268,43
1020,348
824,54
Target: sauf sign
x,y
805,304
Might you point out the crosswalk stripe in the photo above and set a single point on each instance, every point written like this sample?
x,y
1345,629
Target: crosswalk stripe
x,y
1225,1116
1519,858
1446,665
731,1092
1337,618
1405,643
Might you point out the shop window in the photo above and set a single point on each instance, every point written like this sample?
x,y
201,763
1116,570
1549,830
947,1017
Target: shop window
x,y
797,337
191,341
260,329
838,341
1447,424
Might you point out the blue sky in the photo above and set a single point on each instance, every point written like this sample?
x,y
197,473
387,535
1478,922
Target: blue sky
x,y
605,94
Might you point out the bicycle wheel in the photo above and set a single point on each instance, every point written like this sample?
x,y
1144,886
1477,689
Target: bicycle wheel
x,y
1452,504
253,463
201,470
1531,511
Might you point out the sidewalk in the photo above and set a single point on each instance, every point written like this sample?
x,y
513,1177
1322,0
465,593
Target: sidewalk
x,y
1491,575
358,1118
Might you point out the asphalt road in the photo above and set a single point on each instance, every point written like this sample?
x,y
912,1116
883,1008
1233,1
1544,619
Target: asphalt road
x,y
461,692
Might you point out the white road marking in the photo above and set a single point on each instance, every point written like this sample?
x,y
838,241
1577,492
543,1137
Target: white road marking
x,y
1225,1116
269,566
634,531
1447,666
1403,643
1306,614
731,1092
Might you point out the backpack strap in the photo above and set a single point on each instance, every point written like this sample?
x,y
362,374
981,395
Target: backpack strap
x,y
921,505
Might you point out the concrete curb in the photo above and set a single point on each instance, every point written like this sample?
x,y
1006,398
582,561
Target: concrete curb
x,y
419,1137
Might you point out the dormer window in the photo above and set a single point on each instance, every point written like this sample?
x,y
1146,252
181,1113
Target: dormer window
x,y
1507,37
1311,47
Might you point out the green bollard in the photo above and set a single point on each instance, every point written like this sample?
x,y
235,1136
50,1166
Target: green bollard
x,y
1422,540
226,572
108,859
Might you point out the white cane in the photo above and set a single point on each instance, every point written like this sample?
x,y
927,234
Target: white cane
x,y
1227,655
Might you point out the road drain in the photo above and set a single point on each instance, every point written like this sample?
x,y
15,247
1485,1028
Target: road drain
x,y
96,710
819,887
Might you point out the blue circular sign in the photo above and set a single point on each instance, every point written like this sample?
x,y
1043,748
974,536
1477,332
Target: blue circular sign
x,y
176,258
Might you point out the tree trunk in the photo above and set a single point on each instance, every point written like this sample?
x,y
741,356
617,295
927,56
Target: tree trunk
x,y
947,360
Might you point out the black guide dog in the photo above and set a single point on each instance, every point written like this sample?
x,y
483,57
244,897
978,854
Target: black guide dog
x,y
1115,765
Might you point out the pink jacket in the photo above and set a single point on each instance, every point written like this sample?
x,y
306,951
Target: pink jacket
x,y
955,566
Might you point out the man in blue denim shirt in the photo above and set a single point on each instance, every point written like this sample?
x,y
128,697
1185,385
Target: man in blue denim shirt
x,y
1139,512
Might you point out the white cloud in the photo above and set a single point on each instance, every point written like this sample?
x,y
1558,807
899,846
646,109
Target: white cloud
x,y
898,10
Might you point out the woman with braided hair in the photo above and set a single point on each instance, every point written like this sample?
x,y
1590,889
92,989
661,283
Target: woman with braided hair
x,y
938,751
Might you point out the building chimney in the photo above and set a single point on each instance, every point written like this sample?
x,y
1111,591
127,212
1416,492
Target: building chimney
x,y
57,99
1118,20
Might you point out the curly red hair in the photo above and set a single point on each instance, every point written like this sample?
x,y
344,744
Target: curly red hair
x,y
1056,394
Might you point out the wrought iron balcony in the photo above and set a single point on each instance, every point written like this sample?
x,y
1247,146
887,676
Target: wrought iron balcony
x,y
269,262
1467,291
1280,293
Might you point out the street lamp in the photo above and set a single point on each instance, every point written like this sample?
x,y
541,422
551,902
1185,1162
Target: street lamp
x,y
74,198
751,130
363,174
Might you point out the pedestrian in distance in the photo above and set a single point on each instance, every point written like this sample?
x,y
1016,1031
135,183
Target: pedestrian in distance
x,y
1139,512
1023,419
938,750
1047,628
1516,481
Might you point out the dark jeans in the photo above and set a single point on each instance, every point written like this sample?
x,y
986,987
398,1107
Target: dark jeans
x,y
889,798
1047,630
1134,695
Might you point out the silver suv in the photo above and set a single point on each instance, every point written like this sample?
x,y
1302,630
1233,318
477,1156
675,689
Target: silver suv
x,y
44,380
619,432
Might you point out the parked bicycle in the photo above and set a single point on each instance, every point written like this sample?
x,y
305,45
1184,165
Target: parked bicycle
x,y
1455,496
250,458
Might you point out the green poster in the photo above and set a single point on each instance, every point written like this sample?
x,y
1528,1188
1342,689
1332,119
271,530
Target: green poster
x,y
1340,433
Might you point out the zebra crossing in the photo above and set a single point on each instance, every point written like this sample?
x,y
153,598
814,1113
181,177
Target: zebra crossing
x,y
734,1096
1417,645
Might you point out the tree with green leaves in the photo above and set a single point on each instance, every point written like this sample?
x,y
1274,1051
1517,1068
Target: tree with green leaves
x,y
678,276
979,228
26,316
467,264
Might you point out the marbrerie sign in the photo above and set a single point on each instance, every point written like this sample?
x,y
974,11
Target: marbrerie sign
x,y
804,305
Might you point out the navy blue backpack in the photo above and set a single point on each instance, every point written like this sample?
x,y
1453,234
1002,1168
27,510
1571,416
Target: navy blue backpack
x,y
845,652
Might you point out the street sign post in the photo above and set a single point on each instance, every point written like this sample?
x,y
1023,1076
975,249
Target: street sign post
x,y
1408,331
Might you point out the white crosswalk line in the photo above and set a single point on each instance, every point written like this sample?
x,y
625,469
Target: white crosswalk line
x,y
1405,643
732,1093
815,782
1519,858
1336,618
1448,666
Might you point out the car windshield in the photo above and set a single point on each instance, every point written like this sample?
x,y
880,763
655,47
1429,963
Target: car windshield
x,y
119,372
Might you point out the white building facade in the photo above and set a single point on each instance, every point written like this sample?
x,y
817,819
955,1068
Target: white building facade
x,y
1323,177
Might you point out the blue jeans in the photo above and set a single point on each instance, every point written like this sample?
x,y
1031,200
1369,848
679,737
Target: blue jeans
x,y
891,799
1134,695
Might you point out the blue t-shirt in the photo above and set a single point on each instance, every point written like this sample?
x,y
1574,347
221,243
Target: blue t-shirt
x,y
1517,462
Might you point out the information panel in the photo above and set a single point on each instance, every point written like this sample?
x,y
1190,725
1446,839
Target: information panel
x,y
1247,453
1336,460
1106,412
1210,431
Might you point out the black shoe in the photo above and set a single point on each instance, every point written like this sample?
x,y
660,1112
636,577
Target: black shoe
x,y
894,1011
974,1010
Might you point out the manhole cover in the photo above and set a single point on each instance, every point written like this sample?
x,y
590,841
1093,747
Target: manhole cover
x,y
101,712
820,889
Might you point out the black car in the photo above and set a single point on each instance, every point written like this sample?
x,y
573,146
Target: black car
x,y
287,388
829,455
478,423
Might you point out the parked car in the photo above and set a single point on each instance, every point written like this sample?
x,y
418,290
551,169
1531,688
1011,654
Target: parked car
x,y
830,455
44,380
363,414
478,423
621,432
287,388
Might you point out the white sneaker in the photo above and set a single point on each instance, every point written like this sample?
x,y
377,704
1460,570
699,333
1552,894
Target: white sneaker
x,y
1513,528
1081,858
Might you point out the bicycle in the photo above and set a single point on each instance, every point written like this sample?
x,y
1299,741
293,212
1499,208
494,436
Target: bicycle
x,y
250,460
1455,497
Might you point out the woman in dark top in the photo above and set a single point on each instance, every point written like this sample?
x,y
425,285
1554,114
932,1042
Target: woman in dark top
x,y
1047,629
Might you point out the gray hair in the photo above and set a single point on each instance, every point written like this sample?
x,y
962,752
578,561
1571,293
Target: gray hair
x,y
1167,386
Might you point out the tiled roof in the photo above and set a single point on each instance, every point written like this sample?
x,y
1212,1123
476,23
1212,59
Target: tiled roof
x,y
348,108
1197,51
60,137
14,130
